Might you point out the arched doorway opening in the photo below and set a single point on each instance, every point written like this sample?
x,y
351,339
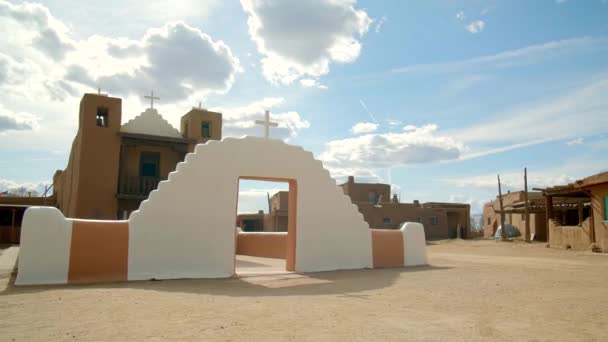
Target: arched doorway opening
x,y
270,236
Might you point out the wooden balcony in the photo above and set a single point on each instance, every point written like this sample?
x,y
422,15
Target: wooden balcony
x,y
136,187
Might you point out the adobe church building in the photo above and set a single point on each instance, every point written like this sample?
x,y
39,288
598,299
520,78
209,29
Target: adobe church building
x,y
114,166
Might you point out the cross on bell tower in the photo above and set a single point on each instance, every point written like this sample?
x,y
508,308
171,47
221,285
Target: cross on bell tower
x,y
267,124
152,98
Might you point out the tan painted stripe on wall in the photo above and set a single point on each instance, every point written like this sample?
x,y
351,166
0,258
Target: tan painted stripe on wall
x,y
99,251
387,248
267,245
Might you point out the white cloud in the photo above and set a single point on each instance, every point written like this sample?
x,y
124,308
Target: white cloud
x,y
37,187
380,23
240,120
460,16
309,83
45,67
475,26
10,121
252,200
577,141
408,128
577,113
42,59
373,151
169,62
540,177
393,122
302,38
364,127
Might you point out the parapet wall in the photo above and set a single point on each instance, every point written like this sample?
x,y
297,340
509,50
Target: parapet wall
x,y
267,245
570,237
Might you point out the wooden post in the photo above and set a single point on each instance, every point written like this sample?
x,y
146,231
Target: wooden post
x,y
503,229
527,212
580,212
13,238
549,213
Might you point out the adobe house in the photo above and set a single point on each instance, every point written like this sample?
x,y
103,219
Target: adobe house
x,y
585,226
513,204
380,211
113,167
274,221
514,209
12,209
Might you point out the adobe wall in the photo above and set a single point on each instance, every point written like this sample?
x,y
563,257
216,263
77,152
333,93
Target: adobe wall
x,y
598,192
279,200
267,245
574,237
57,250
359,192
405,212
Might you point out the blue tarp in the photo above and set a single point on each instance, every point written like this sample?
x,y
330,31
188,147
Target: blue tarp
x,y
511,232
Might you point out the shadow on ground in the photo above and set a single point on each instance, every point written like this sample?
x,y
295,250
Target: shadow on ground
x,y
289,284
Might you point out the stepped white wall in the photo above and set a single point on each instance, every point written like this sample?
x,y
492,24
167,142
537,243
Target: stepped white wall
x,y
186,228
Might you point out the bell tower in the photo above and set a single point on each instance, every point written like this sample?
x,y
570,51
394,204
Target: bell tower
x,y
96,160
200,125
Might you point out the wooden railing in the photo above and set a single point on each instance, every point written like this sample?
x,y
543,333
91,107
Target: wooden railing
x,y
138,186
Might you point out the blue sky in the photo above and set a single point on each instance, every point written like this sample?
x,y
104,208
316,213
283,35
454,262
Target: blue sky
x,y
434,97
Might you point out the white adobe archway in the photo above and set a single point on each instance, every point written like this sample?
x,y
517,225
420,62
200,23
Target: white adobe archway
x,y
185,229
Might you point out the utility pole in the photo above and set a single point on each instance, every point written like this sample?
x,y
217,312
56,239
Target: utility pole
x,y
503,229
527,212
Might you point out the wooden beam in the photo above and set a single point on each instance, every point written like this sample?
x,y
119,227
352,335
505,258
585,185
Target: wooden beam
x,y
549,213
527,209
503,230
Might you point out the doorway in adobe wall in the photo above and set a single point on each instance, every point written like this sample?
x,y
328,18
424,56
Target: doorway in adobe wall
x,y
265,237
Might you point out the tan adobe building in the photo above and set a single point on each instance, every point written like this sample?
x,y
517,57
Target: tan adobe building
x,y
585,226
441,220
380,211
114,166
274,221
513,203
565,210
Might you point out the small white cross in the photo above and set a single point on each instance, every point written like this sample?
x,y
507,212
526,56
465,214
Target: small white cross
x,y
152,98
100,93
199,106
267,124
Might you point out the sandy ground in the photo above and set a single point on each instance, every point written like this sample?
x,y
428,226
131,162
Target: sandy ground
x,y
473,290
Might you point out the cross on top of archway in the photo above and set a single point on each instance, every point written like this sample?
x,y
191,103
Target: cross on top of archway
x,y
267,124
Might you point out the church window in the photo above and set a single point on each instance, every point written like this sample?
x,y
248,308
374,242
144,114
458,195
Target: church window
x,y
372,197
206,129
102,117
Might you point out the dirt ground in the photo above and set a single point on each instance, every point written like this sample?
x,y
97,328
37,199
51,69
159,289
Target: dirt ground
x,y
473,290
